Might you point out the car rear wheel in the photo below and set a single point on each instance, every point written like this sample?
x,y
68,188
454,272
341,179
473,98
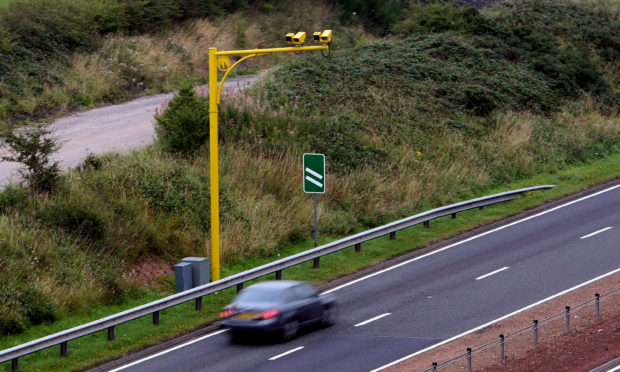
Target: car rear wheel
x,y
290,329
329,316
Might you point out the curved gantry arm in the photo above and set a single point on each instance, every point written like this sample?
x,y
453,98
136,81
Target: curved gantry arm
x,y
229,69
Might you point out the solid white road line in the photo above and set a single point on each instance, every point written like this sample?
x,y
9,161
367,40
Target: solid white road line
x,y
168,350
596,232
286,353
492,273
372,319
614,369
496,320
470,239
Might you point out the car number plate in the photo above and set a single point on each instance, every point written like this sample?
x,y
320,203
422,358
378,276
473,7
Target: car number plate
x,y
245,316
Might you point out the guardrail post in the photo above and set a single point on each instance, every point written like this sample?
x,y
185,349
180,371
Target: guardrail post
x,y
156,318
535,332
199,303
239,287
469,359
279,275
434,366
15,364
63,349
111,333
453,215
501,347
427,224
317,263
393,235
358,247
480,207
568,318
598,304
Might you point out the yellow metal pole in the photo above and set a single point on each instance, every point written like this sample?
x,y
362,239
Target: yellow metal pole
x,y
213,158
214,94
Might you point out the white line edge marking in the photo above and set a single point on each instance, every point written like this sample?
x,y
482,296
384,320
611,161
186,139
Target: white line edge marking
x,y
596,232
286,353
496,320
614,369
372,319
314,181
167,351
492,273
467,240
315,174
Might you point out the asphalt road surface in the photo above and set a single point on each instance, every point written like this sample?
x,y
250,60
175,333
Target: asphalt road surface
x,y
430,298
116,128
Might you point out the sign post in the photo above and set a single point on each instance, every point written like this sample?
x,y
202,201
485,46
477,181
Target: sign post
x,y
314,183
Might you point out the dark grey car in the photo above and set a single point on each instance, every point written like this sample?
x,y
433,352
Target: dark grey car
x,y
279,307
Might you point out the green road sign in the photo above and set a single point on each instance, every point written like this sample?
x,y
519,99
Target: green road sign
x,y
314,173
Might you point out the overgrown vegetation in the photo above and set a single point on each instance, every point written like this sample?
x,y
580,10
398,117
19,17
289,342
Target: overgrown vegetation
x,y
59,55
437,116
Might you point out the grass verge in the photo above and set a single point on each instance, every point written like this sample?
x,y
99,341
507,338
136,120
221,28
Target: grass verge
x,y
140,333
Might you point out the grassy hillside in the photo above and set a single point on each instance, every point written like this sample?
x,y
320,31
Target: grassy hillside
x,y
423,120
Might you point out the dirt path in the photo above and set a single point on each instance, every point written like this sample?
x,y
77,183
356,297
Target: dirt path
x,y
117,128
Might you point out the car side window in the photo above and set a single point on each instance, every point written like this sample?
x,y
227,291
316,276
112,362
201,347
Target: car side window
x,y
303,291
288,296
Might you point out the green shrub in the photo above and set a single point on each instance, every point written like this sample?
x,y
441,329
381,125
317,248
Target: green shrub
x,y
12,321
39,308
184,125
11,197
33,149
75,218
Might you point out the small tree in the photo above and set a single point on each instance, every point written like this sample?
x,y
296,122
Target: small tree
x,y
184,125
33,149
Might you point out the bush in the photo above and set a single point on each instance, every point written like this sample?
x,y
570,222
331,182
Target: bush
x,y
38,307
12,196
33,149
184,125
75,218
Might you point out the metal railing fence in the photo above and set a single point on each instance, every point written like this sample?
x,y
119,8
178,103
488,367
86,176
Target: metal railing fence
x,y
14,353
502,340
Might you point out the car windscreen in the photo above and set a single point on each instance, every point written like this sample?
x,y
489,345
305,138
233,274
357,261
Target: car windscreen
x,y
259,295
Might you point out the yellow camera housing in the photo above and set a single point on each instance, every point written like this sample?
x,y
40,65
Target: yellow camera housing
x,y
326,36
289,37
299,38
317,36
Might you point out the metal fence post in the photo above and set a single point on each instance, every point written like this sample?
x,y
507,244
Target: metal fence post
x,y
63,349
568,318
111,333
199,303
598,304
358,247
469,359
317,263
434,366
156,318
501,348
535,332
279,275
393,235
239,287
15,364
427,224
